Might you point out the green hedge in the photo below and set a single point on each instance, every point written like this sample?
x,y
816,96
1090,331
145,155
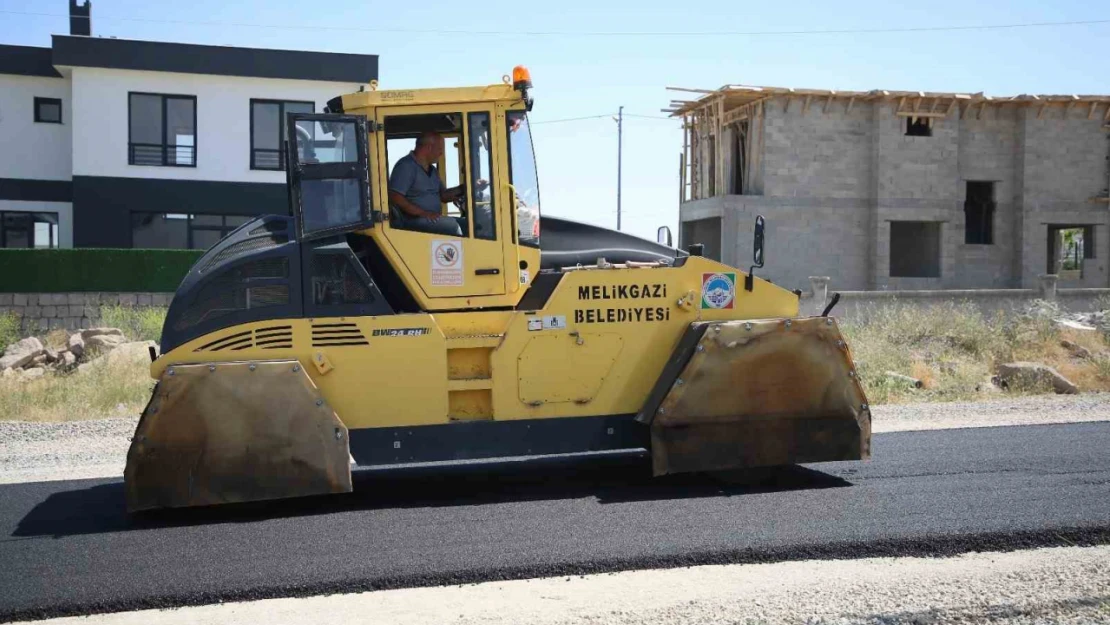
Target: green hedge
x,y
91,269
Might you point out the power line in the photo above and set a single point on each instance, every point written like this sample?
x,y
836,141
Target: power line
x,y
572,119
568,33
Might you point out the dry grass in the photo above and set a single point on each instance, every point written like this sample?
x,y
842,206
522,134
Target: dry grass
x,y
954,349
115,390
118,390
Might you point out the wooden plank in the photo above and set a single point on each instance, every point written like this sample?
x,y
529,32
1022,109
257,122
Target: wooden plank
x,y
805,107
1091,112
922,114
951,105
786,108
982,106
933,108
1040,111
688,90
900,103
1106,117
916,104
828,101
851,101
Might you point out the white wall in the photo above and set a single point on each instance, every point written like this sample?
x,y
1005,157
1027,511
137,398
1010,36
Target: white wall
x,y
64,210
223,120
39,151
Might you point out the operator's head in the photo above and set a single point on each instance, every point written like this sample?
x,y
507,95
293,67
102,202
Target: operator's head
x,y
430,145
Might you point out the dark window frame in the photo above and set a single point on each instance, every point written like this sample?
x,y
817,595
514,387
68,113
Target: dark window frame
x,y
281,126
165,144
54,241
223,228
40,101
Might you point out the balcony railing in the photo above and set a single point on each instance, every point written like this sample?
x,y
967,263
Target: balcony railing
x,y
162,154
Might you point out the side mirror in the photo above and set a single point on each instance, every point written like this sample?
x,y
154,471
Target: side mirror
x,y
757,254
663,236
757,249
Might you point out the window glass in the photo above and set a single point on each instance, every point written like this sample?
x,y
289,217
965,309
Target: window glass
x,y
204,239
159,231
180,131
268,131
481,176
330,203
46,229
162,130
328,142
48,110
522,175
181,231
267,121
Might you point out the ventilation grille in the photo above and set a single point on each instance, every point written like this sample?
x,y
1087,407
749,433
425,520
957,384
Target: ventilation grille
x,y
232,292
272,337
336,335
242,247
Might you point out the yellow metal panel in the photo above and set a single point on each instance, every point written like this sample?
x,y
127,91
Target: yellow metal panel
x,y
563,368
352,102
469,384
472,405
468,364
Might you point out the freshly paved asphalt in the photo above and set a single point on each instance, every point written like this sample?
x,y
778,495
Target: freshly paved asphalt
x,y
69,548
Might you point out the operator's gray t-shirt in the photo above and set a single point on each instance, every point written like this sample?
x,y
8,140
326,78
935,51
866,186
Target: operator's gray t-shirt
x,y
417,185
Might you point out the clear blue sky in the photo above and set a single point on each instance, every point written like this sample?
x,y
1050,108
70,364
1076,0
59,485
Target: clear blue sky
x,y
590,75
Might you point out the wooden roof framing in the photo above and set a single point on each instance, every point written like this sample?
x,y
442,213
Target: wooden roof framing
x,y
736,101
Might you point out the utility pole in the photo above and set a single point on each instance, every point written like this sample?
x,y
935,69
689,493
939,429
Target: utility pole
x,y
620,145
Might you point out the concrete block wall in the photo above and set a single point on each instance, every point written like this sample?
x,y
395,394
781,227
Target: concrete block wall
x,y
819,152
41,312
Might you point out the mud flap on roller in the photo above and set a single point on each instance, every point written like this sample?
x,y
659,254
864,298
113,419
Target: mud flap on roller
x,y
757,393
234,432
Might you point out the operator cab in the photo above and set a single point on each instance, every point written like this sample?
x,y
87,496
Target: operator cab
x,y
340,184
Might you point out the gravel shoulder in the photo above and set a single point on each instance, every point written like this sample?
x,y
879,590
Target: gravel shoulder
x,y
35,452
1063,585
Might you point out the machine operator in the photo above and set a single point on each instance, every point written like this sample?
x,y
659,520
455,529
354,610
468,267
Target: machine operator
x,y
417,191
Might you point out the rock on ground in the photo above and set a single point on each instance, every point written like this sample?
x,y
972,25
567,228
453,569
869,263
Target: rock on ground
x,y
21,352
1035,373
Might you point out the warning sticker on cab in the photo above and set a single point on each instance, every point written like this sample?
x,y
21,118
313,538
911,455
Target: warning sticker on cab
x,y
447,263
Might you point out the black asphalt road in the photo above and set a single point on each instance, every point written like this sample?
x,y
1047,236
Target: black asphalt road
x,y
67,547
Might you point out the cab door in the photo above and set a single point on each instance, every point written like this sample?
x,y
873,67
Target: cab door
x,y
328,174
472,264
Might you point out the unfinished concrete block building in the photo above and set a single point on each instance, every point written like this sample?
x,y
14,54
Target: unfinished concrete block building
x,y
900,190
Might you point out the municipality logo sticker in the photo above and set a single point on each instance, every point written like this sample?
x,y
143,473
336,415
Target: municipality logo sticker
x,y
718,290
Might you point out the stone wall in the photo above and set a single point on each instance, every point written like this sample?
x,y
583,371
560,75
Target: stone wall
x,y
50,311
858,305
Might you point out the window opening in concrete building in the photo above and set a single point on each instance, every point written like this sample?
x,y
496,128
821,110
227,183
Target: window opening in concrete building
x,y
18,229
1068,247
979,213
704,231
918,127
915,249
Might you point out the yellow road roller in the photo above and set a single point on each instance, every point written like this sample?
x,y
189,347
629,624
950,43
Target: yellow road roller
x,y
359,331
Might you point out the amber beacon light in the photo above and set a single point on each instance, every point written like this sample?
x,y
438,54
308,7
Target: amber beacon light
x,y
522,78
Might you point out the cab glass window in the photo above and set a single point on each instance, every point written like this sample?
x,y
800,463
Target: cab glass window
x,y
522,175
331,198
481,176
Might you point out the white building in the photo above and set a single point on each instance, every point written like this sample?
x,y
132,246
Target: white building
x,y
126,143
